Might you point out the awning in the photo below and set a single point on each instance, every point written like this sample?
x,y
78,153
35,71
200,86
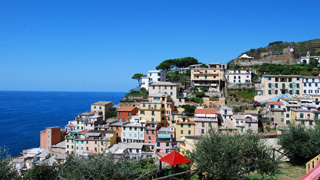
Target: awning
x,y
174,158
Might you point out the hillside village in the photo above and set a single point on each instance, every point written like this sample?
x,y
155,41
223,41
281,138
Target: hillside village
x,y
176,105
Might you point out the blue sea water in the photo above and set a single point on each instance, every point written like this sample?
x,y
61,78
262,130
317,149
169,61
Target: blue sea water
x,y
23,114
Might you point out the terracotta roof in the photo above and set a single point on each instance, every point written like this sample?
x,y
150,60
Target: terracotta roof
x,y
126,108
83,132
161,154
206,111
275,103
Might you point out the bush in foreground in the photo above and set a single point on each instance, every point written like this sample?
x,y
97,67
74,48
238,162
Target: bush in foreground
x,y
300,144
233,156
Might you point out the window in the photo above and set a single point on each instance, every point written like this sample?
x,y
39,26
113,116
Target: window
x,y
101,142
249,124
87,148
302,122
149,137
310,123
202,131
189,131
282,120
181,131
181,125
269,91
276,91
301,115
158,144
167,144
269,85
202,124
119,113
152,131
189,125
165,87
276,85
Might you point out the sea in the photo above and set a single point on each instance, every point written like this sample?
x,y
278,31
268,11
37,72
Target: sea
x,y
23,114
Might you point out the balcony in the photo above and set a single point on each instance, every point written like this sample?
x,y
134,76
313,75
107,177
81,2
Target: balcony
x,y
206,119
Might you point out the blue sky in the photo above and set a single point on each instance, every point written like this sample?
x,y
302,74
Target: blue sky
x,y
81,45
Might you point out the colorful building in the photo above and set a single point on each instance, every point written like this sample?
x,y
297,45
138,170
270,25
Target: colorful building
x,y
125,113
205,121
102,107
86,143
165,142
49,137
157,108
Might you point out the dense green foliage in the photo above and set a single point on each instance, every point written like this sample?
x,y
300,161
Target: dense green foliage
x,y
246,94
233,156
6,171
189,109
276,69
112,113
137,76
195,99
177,63
142,91
182,78
95,167
301,144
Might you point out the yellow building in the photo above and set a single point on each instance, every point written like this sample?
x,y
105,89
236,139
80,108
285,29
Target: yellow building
x,y
158,108
89,142
211,78
274,85
184,127
302,117
102,107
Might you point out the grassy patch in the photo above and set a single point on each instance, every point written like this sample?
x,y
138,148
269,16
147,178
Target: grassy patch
x,y
287,172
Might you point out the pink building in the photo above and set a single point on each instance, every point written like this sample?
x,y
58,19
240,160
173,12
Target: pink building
x,y
150,134
205,121
165,140
49,137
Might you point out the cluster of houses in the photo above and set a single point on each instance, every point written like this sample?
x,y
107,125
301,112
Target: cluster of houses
x,y
158,124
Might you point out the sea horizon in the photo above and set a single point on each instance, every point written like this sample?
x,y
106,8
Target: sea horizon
x,y
23,114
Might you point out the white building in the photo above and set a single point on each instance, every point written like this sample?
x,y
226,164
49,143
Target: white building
x,y
311,85
144,82
306,59
156,76
241,76
133,132
152,77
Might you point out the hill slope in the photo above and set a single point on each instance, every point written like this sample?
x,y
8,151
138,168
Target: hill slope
x,y
300,48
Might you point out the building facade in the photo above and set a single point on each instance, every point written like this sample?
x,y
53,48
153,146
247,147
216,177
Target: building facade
x,y
169,88
205,121
274,85
102,107
125,113
311,85
49,137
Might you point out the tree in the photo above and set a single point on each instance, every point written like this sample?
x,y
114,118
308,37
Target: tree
x,y
166,65
194,89
225,156
137,76
42,172
177,63
300,144
189,109
6,170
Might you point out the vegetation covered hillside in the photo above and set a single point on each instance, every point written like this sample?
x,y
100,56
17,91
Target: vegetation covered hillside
x,y
301,48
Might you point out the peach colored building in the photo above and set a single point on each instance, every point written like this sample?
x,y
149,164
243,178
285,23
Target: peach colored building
x,y
303,117
49,137
89,142
205,120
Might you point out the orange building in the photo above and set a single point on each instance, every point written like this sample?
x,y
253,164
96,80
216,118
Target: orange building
x,y
117,127
125,113
49,137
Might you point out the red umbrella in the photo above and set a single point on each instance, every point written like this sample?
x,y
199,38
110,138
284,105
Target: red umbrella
x,y
174,158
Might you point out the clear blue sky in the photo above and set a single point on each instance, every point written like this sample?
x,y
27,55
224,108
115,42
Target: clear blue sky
x,y
77,45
